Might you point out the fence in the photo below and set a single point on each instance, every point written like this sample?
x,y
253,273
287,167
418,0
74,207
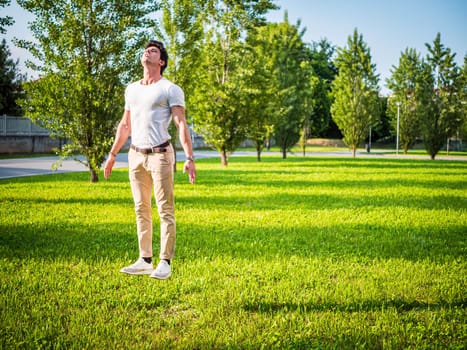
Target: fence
x,y
20,135
20,126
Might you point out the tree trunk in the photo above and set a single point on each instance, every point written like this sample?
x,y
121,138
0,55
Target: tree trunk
x,y
258,150
284,153
354,151
94,175
224,158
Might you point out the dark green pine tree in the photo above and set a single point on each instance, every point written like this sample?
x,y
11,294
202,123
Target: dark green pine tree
x,y
10,82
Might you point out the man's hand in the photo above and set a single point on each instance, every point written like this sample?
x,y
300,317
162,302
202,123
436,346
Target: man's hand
x,y
108,166
190,168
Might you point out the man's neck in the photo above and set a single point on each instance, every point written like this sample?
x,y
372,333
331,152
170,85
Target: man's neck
x,y
151,76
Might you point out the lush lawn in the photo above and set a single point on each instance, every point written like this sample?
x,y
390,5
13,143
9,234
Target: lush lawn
x,y
328,253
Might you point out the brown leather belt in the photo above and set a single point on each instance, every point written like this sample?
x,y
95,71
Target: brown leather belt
x,y
158,149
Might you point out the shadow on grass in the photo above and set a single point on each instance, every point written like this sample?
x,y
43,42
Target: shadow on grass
x,y
248,200
117,240
339,162
340,240
354,173
354,306
118,176
66,241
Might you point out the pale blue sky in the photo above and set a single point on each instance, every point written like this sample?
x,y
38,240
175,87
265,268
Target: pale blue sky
x,y
387,26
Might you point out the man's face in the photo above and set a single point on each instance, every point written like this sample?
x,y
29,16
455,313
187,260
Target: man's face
x,y
152,55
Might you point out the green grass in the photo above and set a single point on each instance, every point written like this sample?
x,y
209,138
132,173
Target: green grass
x,y
327,253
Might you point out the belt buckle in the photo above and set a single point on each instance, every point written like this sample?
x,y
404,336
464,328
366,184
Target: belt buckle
x,y
158,150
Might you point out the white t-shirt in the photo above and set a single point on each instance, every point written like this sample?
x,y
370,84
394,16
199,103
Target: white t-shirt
x,y
149,107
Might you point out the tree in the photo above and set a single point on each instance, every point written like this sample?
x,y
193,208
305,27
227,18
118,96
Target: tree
x,y
355,91
463,126
265,91
444,110
292,77
261,88
407,85
324,74
382,129
292,93
87,50
220,101
182,30
7,20
10,82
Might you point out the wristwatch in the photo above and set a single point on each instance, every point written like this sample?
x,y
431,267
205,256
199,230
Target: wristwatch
x,y
192,158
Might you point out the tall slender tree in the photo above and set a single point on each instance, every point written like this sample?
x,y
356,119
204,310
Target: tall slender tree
x,y
275,48
220,104
406,84
293,74
444,111
355,91
87,49
262,88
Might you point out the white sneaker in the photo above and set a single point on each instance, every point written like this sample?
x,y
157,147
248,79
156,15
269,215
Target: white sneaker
x,y
162,271
140,267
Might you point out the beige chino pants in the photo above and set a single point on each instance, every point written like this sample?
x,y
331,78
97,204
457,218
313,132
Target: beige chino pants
x,y
148,172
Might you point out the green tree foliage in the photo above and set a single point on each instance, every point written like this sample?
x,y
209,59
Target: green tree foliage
x,y
269,89
317,101
407,83
220,101
463,127
444,110
182,31
10,82
382,129
293,77
324,73
261,88
355,91
87,50
7,20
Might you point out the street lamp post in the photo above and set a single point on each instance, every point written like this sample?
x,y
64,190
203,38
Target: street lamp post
x,y
398,125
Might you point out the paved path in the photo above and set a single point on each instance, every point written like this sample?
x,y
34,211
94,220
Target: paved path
x,y
18,167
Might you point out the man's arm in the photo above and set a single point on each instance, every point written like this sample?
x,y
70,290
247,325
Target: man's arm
x,y
123,132
178,115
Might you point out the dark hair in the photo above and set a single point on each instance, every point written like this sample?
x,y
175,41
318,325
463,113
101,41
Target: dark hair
x,y
164,55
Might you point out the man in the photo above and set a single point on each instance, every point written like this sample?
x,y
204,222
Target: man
x,y
150,103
